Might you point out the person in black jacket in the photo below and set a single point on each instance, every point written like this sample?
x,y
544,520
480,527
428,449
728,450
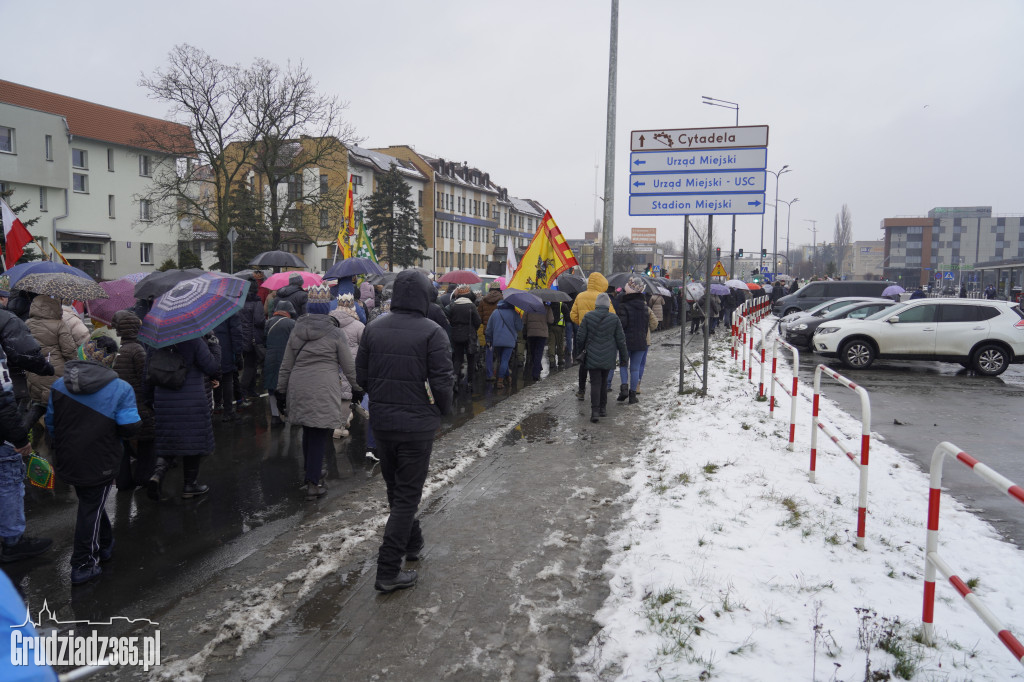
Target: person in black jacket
x,y
90,412
465,319
294,294
252,319
232,343
635,319
405,365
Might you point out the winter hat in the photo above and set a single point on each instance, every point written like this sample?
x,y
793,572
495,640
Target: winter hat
x,y
320,299
494,286
127,324
634,285
285,307
346,306
100,350
603,301
462,290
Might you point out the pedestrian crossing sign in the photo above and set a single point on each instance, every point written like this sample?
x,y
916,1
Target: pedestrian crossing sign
x,y
764,269
949,275
719,270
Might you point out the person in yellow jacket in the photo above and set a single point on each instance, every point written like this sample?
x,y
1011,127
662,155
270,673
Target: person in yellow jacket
x,y
586,302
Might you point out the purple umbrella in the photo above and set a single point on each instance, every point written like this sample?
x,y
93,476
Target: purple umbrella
x,y
121,293
193,308
720,289
524,300
893,289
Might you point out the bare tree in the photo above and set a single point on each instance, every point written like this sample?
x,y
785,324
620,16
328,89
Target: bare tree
x,y
843,235
624,255
697,251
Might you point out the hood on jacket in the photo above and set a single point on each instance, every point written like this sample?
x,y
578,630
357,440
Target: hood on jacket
x,y
313,327
493,296
503,304
285,307
366,294
127,324
433,293
46,308
413,292
82,376
597,282
464,299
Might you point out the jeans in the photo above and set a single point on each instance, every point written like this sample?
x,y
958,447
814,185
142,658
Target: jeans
x,y
598,396
536,345
631,374
12,495
314,446
504,354
403,465
570,338
92,528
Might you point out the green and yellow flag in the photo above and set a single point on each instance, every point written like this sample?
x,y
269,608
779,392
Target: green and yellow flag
x,y
364,247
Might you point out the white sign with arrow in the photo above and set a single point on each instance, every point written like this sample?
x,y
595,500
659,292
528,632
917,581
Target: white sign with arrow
x,y
685,183
696,204
699,138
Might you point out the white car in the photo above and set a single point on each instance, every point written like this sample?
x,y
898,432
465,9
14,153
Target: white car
x,y
981,334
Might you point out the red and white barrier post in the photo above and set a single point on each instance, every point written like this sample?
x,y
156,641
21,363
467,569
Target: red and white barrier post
x,y
792,393
933,561
865,440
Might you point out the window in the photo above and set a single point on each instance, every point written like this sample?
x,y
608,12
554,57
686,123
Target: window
x,y
79,158
146,253
294,188
323,219
922,313
80,182
6,139
357,181
145,211
144,166
110,160
959,313
48,143
420,202
110,206
42,198
323,184
81,247
112,247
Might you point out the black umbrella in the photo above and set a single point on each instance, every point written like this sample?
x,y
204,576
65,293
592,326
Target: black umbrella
x,y
618,279
158,283
551,295
278,259
571,284
386,279
248,274
353,266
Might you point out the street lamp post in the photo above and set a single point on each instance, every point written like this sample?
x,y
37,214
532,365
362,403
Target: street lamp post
x,y
726,104
789,210
814,249
775,232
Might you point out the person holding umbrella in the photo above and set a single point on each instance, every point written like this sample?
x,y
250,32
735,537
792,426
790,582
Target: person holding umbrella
x,y
47,325
635,318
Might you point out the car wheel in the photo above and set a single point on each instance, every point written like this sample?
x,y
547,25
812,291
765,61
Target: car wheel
x,y
990,360
857,354
790,311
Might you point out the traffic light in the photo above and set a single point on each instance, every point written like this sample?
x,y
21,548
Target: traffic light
x,y
718,253
739,253
764,253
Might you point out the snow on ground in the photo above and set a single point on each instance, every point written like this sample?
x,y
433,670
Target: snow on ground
x,y
731,565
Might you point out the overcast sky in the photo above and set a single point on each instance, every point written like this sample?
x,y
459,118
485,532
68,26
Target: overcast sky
x,y
890,107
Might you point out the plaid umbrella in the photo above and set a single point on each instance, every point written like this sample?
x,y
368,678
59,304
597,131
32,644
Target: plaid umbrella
x,y
61,285
193,308
121,295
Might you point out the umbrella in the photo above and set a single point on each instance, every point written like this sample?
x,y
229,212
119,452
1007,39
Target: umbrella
x,y
193,308
551,295
275,282
662,290
571,284
61,285
277,259
617,280
736,284
120,296
524,300
893,289
18,271
157,283
249,274
694,290
720,289
460,277
753,287
386,279
353,266
502,284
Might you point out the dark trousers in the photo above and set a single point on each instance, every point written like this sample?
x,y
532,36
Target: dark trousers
x,y
136,464
598,394
461,350
314,446
536,345
92,528
247,387
224,394
583,375
403,464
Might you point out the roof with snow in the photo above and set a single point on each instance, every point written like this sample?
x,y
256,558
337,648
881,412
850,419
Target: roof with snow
x,y
383,162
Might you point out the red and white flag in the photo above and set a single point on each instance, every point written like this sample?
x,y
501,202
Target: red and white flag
x,y
15,235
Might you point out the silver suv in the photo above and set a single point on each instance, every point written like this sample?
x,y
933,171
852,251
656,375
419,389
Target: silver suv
x,y
980,334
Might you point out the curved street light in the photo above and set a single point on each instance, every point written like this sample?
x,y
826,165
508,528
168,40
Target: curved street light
x,y
775,234
789,210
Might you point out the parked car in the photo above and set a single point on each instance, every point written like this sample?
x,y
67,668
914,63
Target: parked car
x,y
800,331
823,308
813,293
980,334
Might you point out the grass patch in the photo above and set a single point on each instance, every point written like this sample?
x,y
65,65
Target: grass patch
x,y
790,505
710,468
973,583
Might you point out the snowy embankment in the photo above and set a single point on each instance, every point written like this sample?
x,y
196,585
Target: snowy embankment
x,y
731,565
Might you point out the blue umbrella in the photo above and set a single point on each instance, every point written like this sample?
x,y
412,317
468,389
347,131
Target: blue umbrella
x,y
353,266
893,289
524,300
193,308
19,271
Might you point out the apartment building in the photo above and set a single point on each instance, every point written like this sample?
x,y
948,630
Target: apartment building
x,y
84,167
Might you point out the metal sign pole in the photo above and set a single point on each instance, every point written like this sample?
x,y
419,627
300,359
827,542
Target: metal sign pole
x,y
682,304
707,307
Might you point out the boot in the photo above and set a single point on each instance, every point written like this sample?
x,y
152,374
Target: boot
x,y
623,392
632,398
581,394
603,411
194,489
157,479
315,490
595,416
499,383
190,471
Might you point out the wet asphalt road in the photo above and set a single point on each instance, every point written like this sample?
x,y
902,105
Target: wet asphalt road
x,y
168,549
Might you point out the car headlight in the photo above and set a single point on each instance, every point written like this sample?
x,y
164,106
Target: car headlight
x,y
800,327
826,330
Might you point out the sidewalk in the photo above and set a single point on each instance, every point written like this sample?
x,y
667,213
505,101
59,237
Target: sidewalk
x,y
513,571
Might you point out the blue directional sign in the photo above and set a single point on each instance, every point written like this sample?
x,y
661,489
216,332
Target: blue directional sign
x,y
699,171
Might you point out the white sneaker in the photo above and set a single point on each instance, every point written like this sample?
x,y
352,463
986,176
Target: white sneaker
x,y
370,456
340,433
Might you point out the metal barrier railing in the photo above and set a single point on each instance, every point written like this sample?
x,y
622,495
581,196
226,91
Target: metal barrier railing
x,y
865,440
792,393
933,561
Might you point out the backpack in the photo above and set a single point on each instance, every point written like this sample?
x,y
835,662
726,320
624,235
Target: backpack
x,y
167,369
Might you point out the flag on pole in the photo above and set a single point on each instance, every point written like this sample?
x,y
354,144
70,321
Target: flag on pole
x,y
510,260
547,256
364,247
347,227
59,254
16,236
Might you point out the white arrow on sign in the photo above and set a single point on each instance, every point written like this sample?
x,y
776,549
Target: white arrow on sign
x,y
714,181
696,204
697,160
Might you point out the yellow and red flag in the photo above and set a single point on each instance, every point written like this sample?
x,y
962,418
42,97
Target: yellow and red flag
x,y
547,256
348,225
59,254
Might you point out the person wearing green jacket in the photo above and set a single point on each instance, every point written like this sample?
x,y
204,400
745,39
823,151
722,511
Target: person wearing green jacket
x,y
601,337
